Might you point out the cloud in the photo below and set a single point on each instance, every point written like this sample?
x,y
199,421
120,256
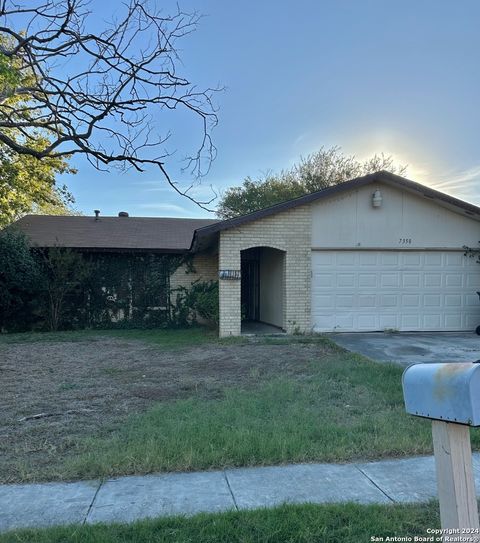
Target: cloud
x,y
158,189
466,181
151,182
163,207
200,192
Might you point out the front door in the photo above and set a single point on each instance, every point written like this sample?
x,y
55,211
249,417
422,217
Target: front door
x,y
250,290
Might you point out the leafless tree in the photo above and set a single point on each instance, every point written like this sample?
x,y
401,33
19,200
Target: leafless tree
x,y
102,94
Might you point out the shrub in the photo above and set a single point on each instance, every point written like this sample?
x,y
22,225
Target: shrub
x,y
199,300
205,300
64,273
19,278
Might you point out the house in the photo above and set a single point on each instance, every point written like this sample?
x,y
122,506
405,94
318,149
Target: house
x,y
137,265
379,252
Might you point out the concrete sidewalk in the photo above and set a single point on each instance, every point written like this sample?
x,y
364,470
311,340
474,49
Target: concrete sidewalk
x,y
127,499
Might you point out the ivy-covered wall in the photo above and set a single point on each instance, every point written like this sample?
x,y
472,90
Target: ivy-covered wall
x,y
60,288
124,290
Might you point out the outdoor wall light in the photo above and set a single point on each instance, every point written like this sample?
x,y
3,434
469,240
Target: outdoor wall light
x,y
377,199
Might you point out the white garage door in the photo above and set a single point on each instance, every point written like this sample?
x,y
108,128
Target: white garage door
x,y
401,290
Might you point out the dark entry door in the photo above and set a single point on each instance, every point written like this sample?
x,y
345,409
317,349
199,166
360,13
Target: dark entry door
x,y
250,290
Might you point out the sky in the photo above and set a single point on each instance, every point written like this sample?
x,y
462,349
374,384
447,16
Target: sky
x,y
400,77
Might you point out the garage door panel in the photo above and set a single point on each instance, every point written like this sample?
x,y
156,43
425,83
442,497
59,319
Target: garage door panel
x,y
471,321
410,300
455,259
346,259
367,259
367,300
432,322
453,301
432,280
343,321
404,290
388,259
432,300
345,300
326,300
413,260
453,321
345,280
367,321
454,280
389,280
367,280
411,280
322,280
388,300
473,280
471,300
325,259
388,321
410,321
433,260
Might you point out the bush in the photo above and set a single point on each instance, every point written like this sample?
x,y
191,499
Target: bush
x,y
19,278
199,300
64,274
205,300
60,289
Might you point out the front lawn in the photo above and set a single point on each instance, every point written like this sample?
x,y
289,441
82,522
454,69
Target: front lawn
x,y
165,338
126,402
339,407
348,523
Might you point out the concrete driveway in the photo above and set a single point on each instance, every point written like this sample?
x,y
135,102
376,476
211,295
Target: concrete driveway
x,y
412,347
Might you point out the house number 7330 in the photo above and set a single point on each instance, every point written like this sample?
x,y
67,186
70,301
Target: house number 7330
x,y
405,241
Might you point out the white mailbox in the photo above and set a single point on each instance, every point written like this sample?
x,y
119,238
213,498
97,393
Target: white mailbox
x,y
447,392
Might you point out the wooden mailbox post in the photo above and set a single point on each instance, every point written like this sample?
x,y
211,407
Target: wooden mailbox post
x,y
449,394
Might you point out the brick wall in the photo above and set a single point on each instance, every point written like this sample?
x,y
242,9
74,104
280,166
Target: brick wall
x,y
206,269
289,231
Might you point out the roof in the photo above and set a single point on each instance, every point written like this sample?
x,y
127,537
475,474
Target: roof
x,y
388,178
111,233
180,235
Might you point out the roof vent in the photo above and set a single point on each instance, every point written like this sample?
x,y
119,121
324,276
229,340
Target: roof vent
x,y
123,214
97,213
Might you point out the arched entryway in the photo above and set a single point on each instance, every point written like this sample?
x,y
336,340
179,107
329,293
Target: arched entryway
x,y
263,287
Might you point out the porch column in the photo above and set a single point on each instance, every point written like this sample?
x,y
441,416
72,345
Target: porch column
x,y
230,317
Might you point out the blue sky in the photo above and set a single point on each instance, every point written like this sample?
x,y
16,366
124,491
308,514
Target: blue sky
x,y
400,77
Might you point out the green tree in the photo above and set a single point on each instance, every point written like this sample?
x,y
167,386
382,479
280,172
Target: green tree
x,y
64,273
27,183
19,276
314,172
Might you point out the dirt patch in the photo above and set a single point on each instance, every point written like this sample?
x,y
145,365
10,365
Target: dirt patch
x,y
89,387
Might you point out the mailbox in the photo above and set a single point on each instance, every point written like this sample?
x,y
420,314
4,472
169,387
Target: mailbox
x,y
447,392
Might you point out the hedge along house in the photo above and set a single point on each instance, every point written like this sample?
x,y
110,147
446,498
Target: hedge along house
x,y
138,264
375,253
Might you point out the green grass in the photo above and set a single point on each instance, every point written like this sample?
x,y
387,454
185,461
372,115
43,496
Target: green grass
x,y
349,523
342,408
175,338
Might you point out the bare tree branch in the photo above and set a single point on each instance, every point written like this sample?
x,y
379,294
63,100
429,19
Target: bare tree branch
x,y
100,95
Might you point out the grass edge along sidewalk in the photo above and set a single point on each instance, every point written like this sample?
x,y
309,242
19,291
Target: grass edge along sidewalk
x,y
336,523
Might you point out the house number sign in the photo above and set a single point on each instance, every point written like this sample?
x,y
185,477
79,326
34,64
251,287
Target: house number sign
x,y
231,275
405,241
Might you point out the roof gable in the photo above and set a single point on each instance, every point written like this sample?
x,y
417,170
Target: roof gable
x,y
382,176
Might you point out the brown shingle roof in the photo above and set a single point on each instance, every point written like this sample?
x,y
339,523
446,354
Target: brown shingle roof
x,y
179,235
111,233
